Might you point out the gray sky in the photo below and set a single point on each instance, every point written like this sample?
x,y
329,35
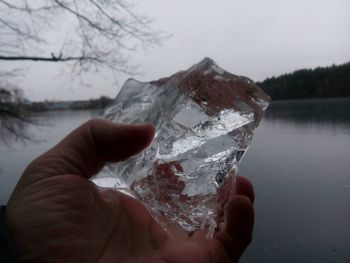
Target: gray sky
x,y
255,38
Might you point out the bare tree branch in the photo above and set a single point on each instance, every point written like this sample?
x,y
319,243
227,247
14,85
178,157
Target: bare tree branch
x,y
79,15
19,31
53,58
90,36
102,33
27,7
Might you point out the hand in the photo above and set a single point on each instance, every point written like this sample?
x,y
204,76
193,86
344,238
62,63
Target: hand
x,y
56,214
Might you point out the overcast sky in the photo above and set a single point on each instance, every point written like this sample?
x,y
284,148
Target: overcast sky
x,y
256,38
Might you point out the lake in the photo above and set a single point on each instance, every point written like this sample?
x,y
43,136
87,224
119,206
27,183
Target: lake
x,y
299,163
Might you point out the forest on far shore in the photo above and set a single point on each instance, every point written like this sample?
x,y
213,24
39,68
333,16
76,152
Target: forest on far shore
x,y
321,82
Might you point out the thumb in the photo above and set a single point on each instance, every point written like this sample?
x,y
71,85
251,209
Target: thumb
x,y
85,151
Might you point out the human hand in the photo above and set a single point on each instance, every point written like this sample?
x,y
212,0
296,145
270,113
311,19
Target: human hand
x,y
56,214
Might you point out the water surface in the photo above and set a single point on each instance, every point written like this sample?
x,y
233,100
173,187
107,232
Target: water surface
x,y
299,163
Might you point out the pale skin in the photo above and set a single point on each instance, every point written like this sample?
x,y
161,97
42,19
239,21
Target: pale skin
x,y
56,214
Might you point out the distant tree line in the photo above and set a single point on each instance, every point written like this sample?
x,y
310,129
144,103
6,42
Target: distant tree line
x,y
325,82
99,103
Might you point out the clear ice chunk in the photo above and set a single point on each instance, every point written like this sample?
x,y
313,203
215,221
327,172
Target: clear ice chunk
x,y
205,118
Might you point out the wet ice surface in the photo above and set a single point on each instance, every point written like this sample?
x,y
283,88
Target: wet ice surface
x,y
205,118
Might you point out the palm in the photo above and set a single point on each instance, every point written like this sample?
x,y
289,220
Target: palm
x,y
55,214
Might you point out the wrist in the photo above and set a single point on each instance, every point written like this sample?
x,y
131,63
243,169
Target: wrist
x,y
7,244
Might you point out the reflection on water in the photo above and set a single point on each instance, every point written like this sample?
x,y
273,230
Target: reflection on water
x,y
299,163
15,154
327,112
13,129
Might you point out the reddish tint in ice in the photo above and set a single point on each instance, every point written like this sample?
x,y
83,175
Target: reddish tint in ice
x,y
205,118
